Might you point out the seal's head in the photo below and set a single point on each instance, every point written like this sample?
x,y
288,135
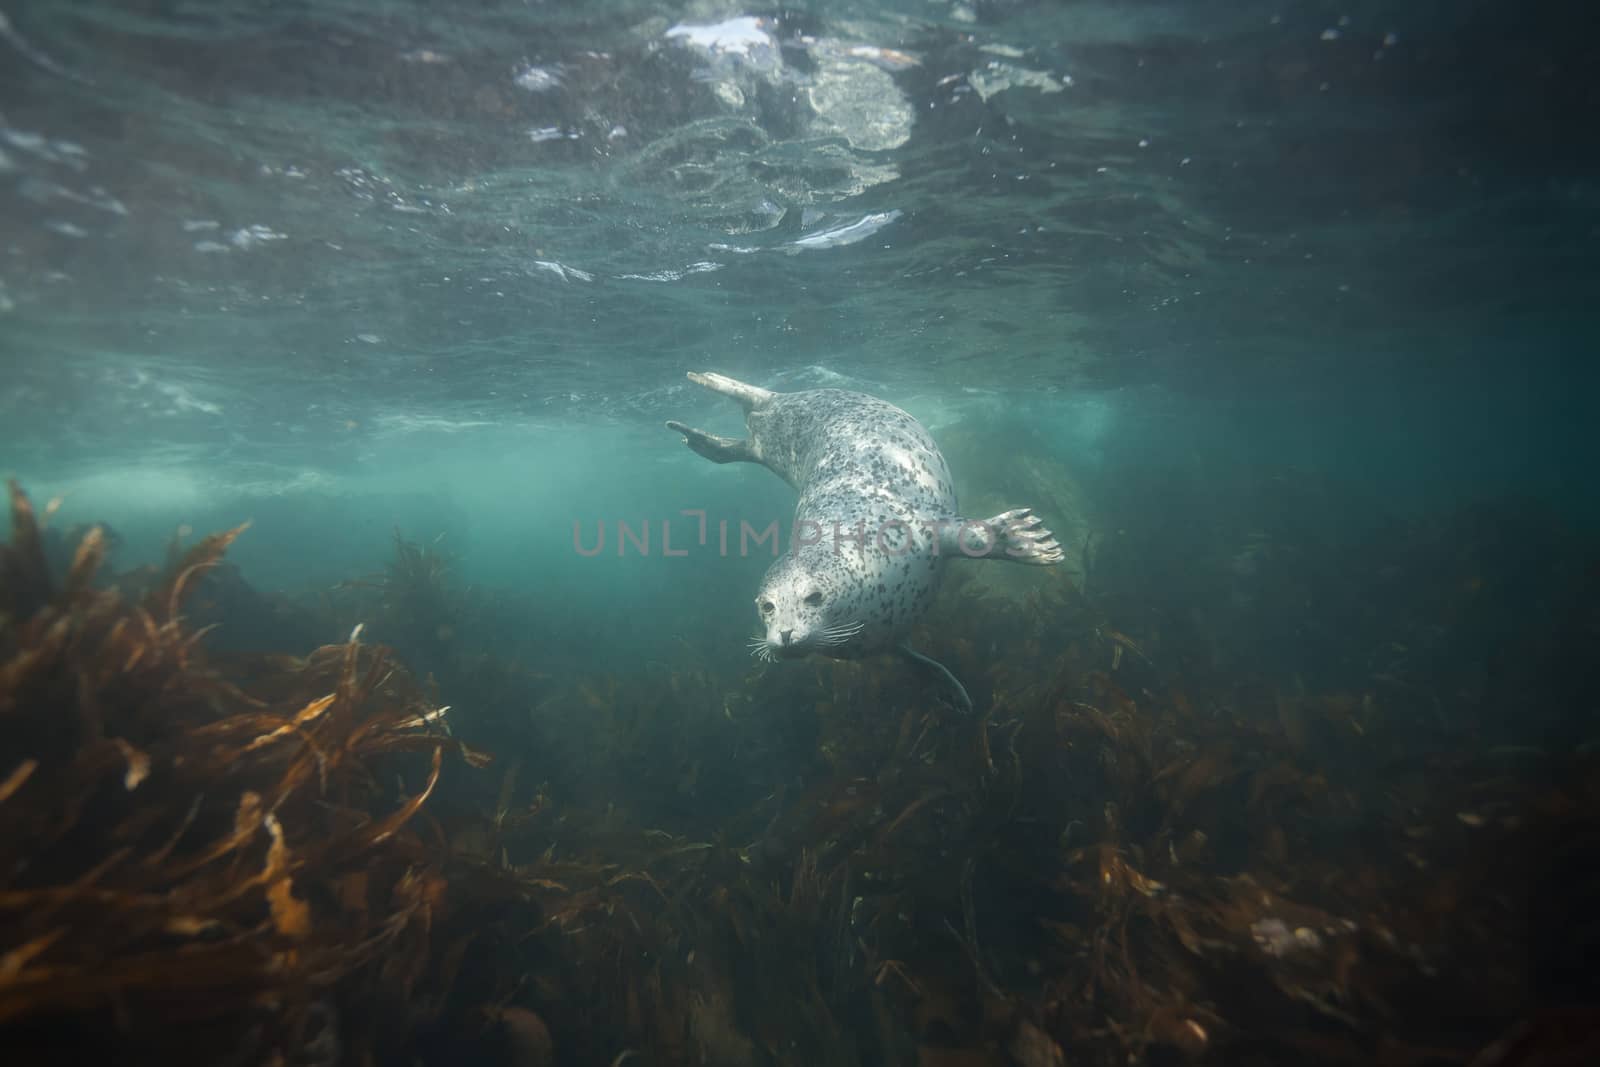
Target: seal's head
x,y
803,609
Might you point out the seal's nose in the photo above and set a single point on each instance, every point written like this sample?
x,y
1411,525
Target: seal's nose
x,y
787,635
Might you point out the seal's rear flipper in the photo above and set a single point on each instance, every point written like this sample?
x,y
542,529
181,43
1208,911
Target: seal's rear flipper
x,y
716,449
1017,535
747,395
963,702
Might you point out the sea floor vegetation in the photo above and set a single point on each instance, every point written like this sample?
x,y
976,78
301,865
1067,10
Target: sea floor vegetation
x,y
1375,841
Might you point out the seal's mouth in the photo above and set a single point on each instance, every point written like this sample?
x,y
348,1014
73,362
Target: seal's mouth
x,y
785,644
767,649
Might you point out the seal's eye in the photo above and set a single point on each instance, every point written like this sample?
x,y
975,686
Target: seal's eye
x,y
814,598
765,607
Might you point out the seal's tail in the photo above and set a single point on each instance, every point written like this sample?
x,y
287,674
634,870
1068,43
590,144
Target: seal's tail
x,y
716,449
748,396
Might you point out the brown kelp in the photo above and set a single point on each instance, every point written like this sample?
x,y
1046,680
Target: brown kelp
x,y
417,607
200,866
1133,856
1143,848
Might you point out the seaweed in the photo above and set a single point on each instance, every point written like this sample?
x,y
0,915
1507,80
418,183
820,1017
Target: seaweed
x,y
1139,850
180,846
415,604
1130,857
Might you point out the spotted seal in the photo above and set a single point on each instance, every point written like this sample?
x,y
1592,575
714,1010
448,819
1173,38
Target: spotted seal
x,y
876,521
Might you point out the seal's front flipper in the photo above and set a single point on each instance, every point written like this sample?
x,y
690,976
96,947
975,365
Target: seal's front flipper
x,y
963,702
716,449
1017,535
748,396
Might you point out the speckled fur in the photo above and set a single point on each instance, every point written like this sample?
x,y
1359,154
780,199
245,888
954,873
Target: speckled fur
x,y
859,464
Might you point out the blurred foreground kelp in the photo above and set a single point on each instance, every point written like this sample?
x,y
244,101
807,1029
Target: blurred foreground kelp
x,y
1145,848
200,865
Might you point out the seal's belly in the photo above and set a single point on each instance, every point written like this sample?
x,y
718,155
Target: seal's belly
x,y
892,475
881,549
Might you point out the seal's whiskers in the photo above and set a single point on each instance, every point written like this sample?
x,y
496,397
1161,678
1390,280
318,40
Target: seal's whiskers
x,y
839,635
